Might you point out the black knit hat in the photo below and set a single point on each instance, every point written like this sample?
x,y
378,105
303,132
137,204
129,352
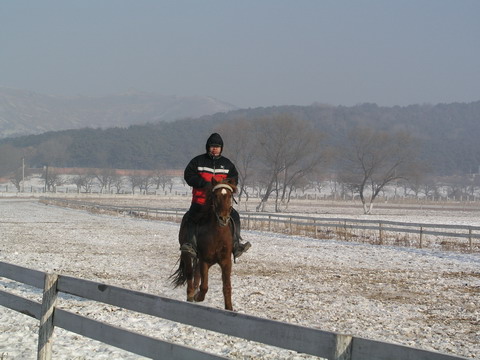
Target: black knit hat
x,y
214,139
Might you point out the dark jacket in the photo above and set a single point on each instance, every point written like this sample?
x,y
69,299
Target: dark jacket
x,y
202,168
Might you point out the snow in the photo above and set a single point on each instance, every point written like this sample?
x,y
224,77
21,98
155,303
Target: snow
x,y
422,298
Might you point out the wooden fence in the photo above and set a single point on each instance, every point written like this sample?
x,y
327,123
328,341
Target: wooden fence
x,y
319,227
345,228
315,342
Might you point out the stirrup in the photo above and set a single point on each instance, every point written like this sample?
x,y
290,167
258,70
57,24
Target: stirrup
x,y
188,249
241,248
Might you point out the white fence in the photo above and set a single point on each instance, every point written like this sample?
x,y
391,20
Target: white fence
x,y
345,228
316,342
465,237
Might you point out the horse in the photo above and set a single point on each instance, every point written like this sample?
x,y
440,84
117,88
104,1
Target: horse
x,y
214,245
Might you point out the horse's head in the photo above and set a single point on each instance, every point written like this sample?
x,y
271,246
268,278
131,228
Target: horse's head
x,y
222,199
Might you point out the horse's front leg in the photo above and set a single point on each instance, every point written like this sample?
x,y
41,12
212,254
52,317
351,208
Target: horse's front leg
x,y
203,268
227,283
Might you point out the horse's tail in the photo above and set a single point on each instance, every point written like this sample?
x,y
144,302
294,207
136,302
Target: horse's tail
x,y
181,275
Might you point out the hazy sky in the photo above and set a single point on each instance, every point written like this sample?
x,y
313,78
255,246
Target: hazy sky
x,y
247,52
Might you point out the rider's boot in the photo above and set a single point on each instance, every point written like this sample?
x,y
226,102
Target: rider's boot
x,y
238,247
190,246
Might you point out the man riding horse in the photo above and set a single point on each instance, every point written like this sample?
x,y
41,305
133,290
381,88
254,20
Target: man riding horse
x,y
198,174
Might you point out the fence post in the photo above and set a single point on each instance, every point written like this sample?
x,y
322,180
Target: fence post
x,y
421,235
381,233
470,241
343,347
269,222
45,332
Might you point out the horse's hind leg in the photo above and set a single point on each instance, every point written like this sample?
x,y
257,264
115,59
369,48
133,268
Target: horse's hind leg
x,y
188,268
190,290
192,282
196,278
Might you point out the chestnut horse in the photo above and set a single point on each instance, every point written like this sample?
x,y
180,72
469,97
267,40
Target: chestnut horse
x,y
214,245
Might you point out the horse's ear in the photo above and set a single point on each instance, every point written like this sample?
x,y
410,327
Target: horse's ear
x,y
232,181
214,181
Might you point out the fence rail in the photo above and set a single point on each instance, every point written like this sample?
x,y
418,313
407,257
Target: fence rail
x,y
312,226
315,342
343,227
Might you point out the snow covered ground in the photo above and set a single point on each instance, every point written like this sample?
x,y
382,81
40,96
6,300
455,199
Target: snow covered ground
x,y
422,298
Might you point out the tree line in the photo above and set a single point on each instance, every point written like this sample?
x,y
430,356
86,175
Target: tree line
x,y
275,151
108,181
280,154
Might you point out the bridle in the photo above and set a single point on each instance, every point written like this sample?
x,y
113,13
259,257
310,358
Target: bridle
x,y
224,186
222,221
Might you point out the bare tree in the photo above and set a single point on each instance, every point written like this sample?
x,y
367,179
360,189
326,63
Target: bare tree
x,y
16,179
84,181
429,186
135,181
290,149
19,176
78,182
161,179
145,182
371,159
460,186
117,183
105,178
52,178
474,184
333,185
317,181
242,150
418,176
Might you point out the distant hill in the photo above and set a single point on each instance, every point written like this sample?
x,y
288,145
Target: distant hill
x,y
25,113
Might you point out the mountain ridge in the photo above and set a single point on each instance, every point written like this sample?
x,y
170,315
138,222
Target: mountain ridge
x,y
447,133
24,112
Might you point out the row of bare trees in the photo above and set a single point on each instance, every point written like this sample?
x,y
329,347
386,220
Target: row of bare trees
x,y
277,155
459,187
108,180
102,180
428,186
280,154
372,159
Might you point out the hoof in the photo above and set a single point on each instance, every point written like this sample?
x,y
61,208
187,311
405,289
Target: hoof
x,y
191,299
198,298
